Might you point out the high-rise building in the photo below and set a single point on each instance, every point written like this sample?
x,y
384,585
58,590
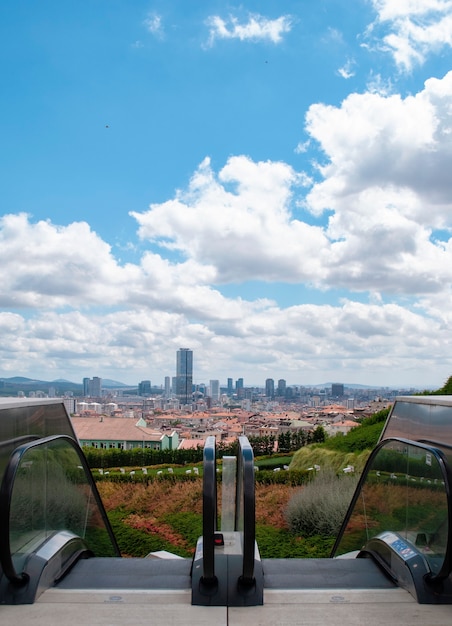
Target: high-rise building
x,y
230,387
70,405
337,390
95,387
215,390
144,388
184,375
92,387
269,388
167,387
281,387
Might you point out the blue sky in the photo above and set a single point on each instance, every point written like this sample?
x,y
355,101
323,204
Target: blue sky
x,y
267,183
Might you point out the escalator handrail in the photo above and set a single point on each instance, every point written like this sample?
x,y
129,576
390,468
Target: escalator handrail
x,y
446,471
6,490
209,515
246,503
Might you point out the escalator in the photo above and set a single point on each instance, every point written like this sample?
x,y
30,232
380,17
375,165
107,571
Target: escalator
x,y
400,517
51,516
55,534
396,534
227,569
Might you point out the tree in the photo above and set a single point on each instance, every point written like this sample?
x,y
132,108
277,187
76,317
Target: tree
x,y
299,439
284,442
319,435
262,446
446,389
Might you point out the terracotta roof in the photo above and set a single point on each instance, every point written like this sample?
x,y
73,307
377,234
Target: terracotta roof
x,y
112,429
188,444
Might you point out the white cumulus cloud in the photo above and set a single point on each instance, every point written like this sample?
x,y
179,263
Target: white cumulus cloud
x,y
239,223
44,265
415,28
257,28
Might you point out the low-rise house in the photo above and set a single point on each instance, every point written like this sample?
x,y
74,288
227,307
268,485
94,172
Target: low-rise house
x,y
125,434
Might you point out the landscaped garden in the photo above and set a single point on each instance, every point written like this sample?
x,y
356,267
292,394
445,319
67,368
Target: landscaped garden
x,y
159,506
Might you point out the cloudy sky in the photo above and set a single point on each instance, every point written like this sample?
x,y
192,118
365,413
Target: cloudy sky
x,y
268,183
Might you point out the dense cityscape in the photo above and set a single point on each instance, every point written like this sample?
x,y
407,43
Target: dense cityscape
x,y
182,414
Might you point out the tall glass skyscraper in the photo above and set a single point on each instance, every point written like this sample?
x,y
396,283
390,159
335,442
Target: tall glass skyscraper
x,y
270,388
184,375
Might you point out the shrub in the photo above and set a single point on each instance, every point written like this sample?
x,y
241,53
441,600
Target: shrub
x,y
320,507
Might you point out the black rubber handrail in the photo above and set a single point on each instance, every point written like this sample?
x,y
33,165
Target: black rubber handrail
x,y
6,490
209,514
446,472
246,508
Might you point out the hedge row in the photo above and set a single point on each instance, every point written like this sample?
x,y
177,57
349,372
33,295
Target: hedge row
x,y
114,457
140,457
293,478
145,479
290,477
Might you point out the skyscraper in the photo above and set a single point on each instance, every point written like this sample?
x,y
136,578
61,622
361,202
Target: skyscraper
x,y
92,387
215,390
337,390
95,387
167,387
144,388
281,388
269,388
184,375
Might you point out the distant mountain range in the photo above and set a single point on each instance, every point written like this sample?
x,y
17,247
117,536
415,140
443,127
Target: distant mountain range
x,y
21,383
356,386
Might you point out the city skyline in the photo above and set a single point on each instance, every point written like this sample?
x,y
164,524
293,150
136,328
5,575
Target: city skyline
x,y
268,185
230,385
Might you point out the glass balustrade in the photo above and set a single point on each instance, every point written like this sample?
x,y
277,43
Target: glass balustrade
x,y
52,492
403,493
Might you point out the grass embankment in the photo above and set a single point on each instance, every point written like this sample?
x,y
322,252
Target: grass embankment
x,y
317,454
338,452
